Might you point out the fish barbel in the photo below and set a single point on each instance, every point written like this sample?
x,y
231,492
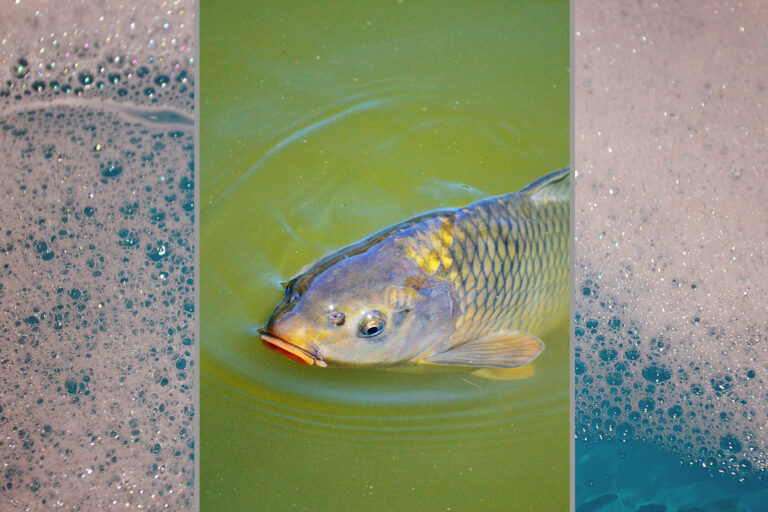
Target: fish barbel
x,y
472,286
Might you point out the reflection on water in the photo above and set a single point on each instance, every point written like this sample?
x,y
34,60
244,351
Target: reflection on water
x,y
348,124
389,407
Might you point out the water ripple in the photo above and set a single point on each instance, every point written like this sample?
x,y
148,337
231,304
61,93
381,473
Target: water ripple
x,y
297,135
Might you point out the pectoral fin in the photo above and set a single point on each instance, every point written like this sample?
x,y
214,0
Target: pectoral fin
x,y
501,349
519,373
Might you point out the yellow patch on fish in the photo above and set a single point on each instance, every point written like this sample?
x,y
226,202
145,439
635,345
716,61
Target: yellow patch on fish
x,y
430,251
432,263
446,259
435,240
446,231
468,287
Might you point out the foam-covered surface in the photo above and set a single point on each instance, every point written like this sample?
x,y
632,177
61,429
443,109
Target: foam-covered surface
x,y
671,229
97,256
139,52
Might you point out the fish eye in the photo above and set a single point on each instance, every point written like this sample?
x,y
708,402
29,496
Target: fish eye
x,y
336,317
373,323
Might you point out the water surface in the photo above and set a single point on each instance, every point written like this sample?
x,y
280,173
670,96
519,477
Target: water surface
x,y
671,288
343,120
97,362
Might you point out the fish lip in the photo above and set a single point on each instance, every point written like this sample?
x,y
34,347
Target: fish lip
x,y
294,352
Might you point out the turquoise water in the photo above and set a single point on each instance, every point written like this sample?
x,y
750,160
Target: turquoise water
x,y
616,476
653,436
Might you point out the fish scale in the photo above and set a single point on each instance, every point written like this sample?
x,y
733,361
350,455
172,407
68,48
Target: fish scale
x,y
469,286
511,257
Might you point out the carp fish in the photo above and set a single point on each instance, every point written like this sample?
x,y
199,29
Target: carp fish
x,y
471,286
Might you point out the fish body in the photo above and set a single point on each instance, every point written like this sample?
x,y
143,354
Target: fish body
x,y
470,286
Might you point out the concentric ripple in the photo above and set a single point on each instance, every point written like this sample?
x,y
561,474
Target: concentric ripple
x,y
345,118
243,269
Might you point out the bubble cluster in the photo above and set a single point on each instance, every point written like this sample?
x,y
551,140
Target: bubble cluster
x,y
97,260
630,385
122,53
672,241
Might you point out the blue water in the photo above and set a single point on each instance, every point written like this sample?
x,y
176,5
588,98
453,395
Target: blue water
x,y
656,432
618,476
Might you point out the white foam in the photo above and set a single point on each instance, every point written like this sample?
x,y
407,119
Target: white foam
x,y
96,293
671,223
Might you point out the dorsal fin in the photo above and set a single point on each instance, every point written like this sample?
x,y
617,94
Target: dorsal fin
x,y
553,186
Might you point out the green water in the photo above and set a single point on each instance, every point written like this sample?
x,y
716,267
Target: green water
x,y
319,124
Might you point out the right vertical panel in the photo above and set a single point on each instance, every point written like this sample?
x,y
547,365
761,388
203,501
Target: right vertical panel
x,y
671,256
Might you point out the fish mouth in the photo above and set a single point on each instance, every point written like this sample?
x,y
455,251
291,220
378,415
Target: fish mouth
x,y
292,351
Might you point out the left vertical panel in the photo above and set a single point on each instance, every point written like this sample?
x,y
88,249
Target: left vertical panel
x,y
97,256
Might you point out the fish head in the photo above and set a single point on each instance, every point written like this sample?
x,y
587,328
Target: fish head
x,y
370,308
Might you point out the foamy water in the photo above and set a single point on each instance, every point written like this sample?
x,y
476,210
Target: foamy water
x,y
672,230
97,256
